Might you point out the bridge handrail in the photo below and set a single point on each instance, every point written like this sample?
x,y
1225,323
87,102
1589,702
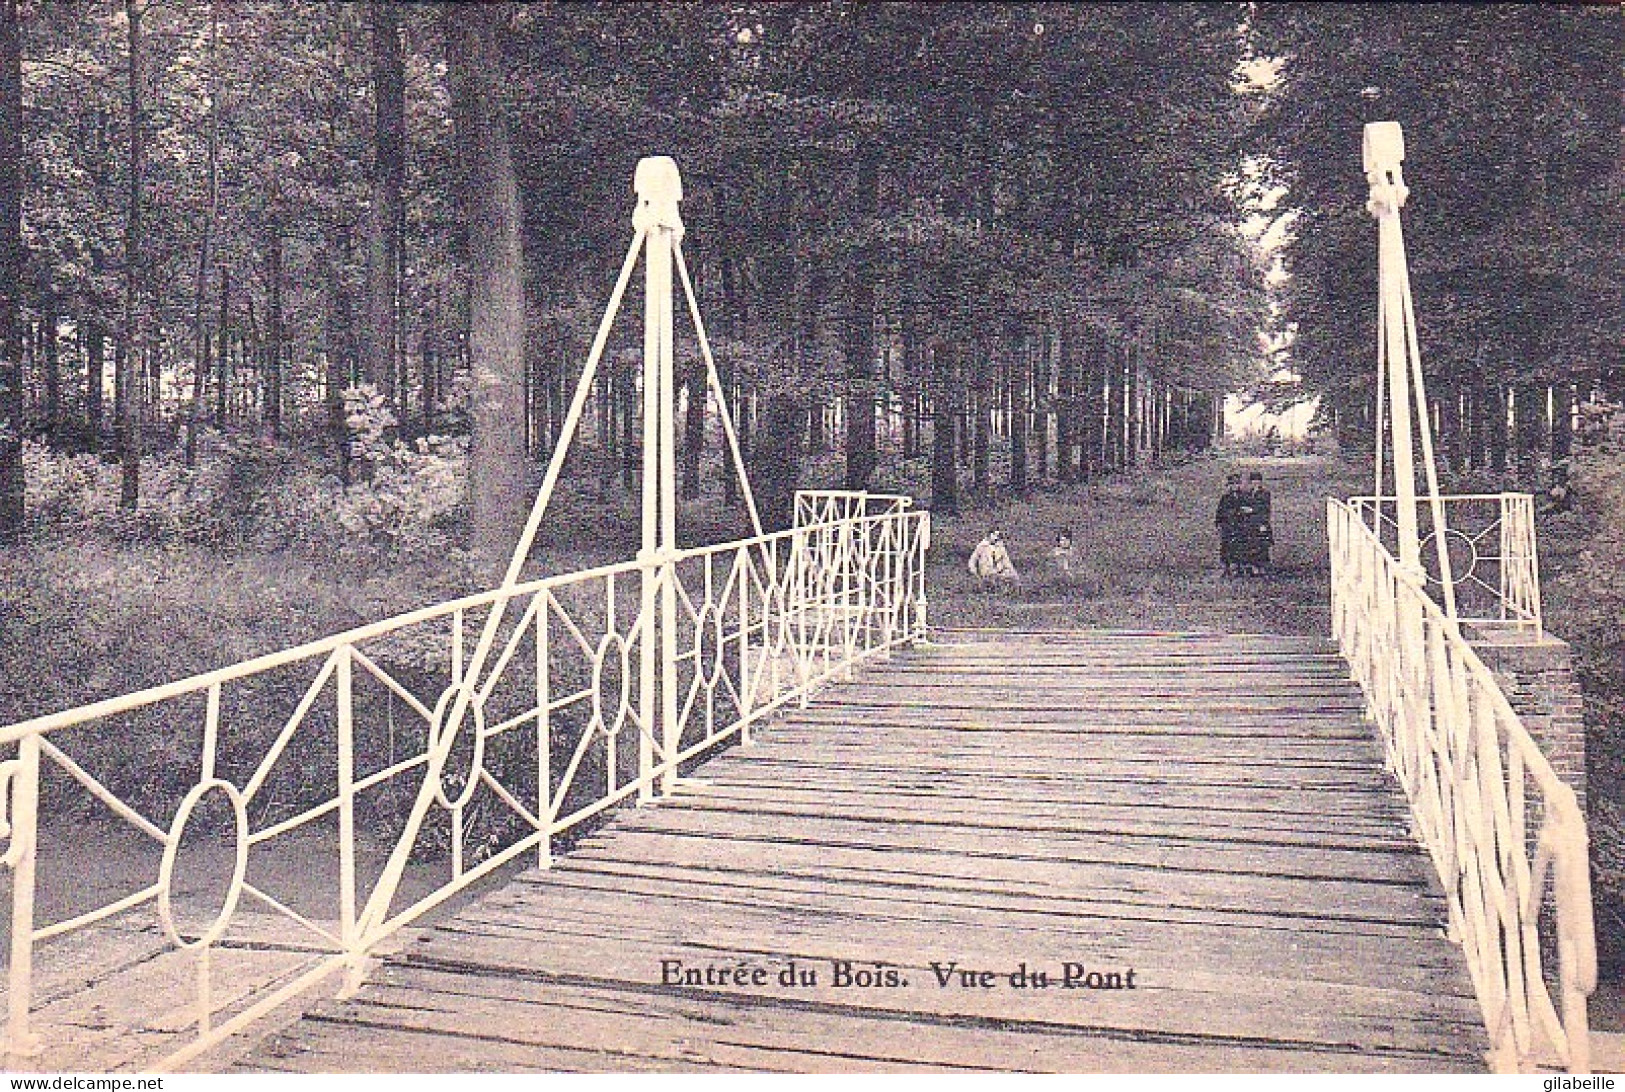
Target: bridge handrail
x,y
757,623
1468,765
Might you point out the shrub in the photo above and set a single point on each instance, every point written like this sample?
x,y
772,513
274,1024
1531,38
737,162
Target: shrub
x,y
409,499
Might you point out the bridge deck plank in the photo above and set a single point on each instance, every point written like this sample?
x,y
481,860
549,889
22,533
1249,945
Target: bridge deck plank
x,y
1209,811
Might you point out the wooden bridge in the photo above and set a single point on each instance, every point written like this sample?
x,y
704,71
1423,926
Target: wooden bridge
x,y
1191,836
1095,851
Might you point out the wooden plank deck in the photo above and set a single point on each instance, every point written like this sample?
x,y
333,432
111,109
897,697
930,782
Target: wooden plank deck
x,y
1209,813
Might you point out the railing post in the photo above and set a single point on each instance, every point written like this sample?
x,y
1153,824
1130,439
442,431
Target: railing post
x,y
22,787
800,551
544,731
671,730
647,654
741,570
922,544
344,683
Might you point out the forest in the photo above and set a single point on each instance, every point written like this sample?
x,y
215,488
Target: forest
x,y
263,261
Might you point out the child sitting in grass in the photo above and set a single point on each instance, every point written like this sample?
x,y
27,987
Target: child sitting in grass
x,y
1062,551
991,560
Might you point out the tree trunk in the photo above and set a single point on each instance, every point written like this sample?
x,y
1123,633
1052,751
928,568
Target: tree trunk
x,y
537,372
629,411
1562,421
1043,403
51,359
380,334
1135,377
129,404
11,271
1448,407
944,472
273,322
694,429
1529,409
200,332
1066,410
728,327
490,205
981,418
1112,391
430,392
222,390
1495,407
152,355
860,328
1015,380
908,332
95,362
340,358
1472,427
1092,441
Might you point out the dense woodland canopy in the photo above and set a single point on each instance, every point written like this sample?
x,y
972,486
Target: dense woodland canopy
x,y
1516,166
999,243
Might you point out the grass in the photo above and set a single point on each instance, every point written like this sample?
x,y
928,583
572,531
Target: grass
x,y
1146,555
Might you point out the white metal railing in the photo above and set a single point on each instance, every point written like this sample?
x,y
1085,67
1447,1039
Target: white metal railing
x,y
834,505
1496,820
1495,572
561,725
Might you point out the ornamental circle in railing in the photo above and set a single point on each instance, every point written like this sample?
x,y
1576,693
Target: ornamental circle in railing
x,y
172,845
713,675
702,624
623,697
777,625
476,762
1461,547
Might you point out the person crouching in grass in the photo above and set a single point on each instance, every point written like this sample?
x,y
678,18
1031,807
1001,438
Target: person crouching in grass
x,y
990,561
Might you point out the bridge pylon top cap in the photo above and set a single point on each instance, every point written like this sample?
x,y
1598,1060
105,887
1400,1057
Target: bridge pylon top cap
x,y
1383,147
657,179
659,187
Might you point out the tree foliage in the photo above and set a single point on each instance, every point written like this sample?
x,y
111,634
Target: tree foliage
x,y
1048,191
1513,122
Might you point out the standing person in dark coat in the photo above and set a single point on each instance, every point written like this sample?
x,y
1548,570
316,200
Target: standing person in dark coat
x,y
1228,520
1258,534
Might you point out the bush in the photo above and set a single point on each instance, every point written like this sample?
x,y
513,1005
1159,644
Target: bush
x,y
1589,588
410,500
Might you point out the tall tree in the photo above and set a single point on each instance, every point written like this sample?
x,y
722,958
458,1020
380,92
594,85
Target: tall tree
x,y
386,223
490,200
129,403
11,269
200,329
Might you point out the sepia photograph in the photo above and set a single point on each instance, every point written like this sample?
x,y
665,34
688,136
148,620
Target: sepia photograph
x,y
811,538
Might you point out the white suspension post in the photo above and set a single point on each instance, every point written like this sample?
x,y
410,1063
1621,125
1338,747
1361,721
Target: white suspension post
x,y
1384,150
659,188
1399,362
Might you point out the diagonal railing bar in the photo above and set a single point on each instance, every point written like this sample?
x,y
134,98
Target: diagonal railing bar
x,y
118,906
714,382
274,753
291,914
102,793
393,684
569,624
